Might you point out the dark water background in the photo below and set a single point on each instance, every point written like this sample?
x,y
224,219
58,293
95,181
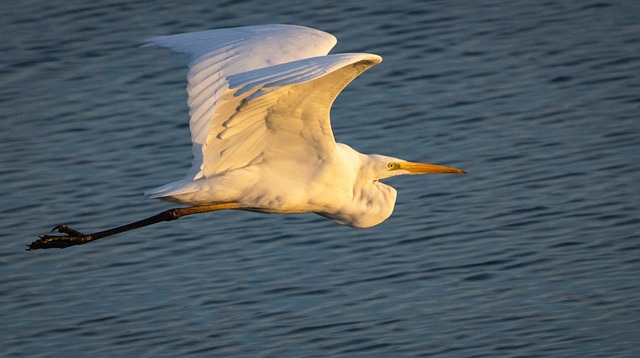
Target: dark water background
x,y
535,253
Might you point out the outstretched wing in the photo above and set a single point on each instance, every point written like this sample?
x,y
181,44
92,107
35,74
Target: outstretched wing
x,y
262,92
218,54
280,113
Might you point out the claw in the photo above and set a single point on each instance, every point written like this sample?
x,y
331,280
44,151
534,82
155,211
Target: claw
x,y
64,229
71,237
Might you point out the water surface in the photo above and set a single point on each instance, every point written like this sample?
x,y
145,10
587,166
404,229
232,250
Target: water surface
x,y
535,253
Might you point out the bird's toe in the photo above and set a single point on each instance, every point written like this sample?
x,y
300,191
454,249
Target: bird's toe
x,y
64,229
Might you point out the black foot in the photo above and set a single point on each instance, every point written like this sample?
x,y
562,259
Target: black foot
x,y
72,237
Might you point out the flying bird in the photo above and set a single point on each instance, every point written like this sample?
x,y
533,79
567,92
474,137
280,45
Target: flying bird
x,y
259,102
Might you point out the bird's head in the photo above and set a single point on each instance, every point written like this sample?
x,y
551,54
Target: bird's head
x,y
385,167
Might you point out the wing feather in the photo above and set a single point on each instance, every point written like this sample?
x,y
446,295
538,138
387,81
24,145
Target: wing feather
x,y
220,53
290,103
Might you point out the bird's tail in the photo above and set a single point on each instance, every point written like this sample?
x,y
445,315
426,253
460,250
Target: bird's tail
x,y
172,189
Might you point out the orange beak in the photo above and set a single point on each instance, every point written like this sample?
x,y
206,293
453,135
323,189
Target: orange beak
x,y
424,168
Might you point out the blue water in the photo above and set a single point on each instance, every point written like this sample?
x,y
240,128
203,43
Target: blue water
x,y
535,253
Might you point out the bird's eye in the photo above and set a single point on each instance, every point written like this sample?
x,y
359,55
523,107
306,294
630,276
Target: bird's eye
x,y
391,166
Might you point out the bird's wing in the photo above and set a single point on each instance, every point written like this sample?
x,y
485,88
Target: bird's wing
x,y
219,54
280,113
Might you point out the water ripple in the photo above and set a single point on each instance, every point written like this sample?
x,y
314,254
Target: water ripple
x,y
534,253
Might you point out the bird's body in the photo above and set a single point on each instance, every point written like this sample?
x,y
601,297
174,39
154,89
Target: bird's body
x,y
259,102
338,187
267,141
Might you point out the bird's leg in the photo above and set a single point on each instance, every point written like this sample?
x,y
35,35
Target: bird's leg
x,y
73,237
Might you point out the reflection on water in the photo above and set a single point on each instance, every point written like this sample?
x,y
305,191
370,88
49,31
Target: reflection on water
x,y
532,254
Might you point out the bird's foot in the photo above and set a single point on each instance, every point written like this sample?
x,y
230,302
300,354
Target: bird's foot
x,y
71,237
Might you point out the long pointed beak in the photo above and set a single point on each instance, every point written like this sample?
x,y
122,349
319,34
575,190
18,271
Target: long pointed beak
x,y
424,168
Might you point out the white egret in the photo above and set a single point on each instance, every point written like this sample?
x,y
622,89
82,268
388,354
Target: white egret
x,y
259,101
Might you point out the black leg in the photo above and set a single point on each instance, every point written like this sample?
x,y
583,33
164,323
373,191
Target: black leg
x,y
73,237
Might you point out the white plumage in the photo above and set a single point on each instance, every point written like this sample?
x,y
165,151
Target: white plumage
x,y
259,101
